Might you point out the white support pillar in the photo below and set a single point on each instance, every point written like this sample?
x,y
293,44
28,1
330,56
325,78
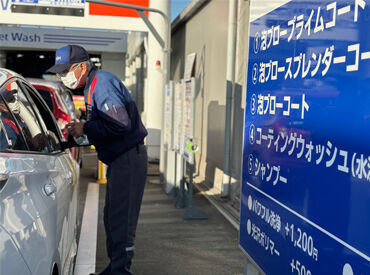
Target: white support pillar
x,y
131,73
230,88
137,79
153,107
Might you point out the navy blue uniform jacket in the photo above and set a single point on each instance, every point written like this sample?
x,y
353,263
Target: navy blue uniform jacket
x,y
113,122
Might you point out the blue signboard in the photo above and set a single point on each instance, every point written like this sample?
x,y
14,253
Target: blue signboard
x,y
306,162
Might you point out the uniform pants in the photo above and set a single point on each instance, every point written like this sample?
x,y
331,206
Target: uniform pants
x,y
126,177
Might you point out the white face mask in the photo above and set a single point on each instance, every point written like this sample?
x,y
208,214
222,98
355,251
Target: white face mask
x,y
15,107
70,80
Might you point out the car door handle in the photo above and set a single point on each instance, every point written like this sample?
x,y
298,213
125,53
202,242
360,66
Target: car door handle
x,y
50,190
3,179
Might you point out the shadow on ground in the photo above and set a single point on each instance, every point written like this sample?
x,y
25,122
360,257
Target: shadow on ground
x,y
167,244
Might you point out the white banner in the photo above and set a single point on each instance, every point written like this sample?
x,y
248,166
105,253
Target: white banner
x,y
188,117
168,114
177,127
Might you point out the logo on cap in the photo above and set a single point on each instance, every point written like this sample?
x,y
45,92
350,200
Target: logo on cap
x,y
58,58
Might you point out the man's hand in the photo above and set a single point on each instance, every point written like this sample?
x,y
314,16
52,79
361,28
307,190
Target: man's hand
x,y
75,128
38,142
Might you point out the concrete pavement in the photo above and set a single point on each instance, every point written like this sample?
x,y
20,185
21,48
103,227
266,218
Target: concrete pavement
x,y
167,244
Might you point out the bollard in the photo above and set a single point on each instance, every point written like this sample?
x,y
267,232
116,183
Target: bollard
x,y
102,173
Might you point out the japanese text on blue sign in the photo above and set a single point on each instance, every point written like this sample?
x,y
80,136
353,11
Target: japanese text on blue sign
x,y
306,160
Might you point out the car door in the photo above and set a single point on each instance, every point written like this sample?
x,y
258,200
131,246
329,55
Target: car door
x,y
36,180
67,189
24,206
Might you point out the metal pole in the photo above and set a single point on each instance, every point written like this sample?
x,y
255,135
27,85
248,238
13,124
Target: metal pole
x,y
166,63
192,211
230,81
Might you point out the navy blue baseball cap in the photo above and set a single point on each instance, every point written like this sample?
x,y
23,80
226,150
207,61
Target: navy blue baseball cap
x,y
67,56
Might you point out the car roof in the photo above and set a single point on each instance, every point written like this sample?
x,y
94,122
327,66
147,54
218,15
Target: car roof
x,y
5,74
43,82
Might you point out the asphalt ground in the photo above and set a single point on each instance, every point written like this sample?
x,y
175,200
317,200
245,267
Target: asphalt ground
x,y
165,243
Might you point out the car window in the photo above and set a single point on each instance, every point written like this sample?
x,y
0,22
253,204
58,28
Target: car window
x,y
24,118
46,96
53,132
10,133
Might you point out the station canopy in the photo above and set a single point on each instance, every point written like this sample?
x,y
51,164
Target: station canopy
x,y
72,13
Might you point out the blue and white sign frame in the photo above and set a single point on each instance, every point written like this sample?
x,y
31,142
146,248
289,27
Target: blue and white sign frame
x,y
305,204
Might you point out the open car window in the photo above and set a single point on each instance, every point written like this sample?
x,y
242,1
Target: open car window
x,y
53,133
10,134
46,96
22,128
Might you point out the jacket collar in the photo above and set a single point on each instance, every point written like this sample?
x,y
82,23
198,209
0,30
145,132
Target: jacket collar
x,y
90,77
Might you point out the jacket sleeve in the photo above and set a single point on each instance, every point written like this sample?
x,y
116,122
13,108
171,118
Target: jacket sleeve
x,y
112,119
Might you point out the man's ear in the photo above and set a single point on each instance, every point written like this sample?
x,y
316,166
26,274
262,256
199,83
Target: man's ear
x,y
83,67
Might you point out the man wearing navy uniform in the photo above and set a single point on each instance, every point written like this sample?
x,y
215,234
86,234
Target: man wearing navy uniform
x,y
113,125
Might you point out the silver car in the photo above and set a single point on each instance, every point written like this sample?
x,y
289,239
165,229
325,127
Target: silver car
x,y
38,185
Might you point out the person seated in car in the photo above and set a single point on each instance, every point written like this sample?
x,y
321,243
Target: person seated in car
x,y
13,134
